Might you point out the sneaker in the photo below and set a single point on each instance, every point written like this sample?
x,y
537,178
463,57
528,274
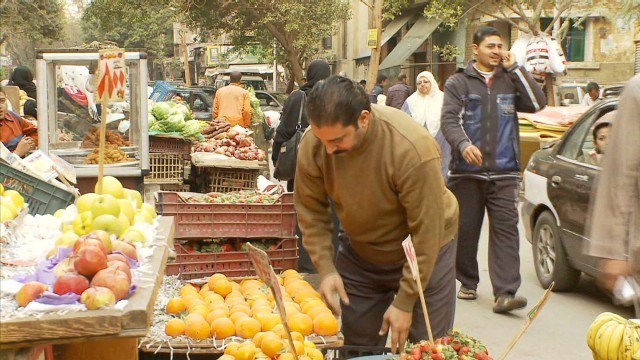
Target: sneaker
x,y
467,294
507,303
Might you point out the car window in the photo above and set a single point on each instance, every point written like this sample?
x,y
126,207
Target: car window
x,y
590,153
580,138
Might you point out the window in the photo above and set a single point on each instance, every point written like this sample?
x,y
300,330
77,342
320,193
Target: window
x,y
579,142
327,42
574,44
591,152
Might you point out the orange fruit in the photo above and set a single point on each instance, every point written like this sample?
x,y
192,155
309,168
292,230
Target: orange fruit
x,y
200,309
247,327
212,297
222,288
271,345
280,331
309,344
286,356
219,306
240,308
222,328
204,289
232,349
325,325
215,314
296,336
235,286
311,303
269,321
237,316
175,327
193,317
197,329
291,273
299,347
315,311
215,278
176,306
261,310
261,302
247,351
227,357
301,323
188,289
314,354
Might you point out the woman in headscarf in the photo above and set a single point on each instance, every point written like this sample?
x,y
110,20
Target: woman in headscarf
x,y
425,106
22,77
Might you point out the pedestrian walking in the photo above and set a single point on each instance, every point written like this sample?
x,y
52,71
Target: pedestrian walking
x,y
232,102
378,88
382,170
615,219
398,93
479,120
425,107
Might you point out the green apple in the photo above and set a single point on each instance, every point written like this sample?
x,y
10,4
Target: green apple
x,y
6,213
105,204
85,201
8,203
68,227
127,208
111,186
135,197
124,221
142,216
67,240
82,223
108,223
134,235
150,210
18,200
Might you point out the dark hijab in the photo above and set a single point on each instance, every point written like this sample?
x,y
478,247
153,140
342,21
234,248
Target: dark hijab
x,y
22,77
317,70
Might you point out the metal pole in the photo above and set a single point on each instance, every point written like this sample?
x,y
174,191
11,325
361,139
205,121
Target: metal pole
x,y
275,66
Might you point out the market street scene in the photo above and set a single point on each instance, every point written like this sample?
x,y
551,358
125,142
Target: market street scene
x,y
319,180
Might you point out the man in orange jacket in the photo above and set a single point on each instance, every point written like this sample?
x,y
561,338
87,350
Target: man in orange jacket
x,y
232,102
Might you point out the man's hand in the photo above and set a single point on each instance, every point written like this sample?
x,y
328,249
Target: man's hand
x,y
399,322
611,271
508,59
25,145
329,287
472,155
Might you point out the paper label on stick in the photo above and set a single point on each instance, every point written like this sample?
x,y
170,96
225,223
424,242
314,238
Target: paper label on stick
x,y
112,76
410,252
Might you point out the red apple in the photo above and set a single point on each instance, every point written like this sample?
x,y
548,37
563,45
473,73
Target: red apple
x,y
113,279
127,249
65,266
97,297
118,257
90,260
103,236
29,292
71,282
86,240
119,265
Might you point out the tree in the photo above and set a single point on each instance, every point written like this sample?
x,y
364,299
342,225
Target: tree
x,y
131,24
27,25
297,26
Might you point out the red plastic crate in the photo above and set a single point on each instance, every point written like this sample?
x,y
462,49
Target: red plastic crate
x,y
198,221
170,145
194,265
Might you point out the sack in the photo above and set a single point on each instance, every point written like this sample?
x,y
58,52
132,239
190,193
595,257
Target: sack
x,y
285,167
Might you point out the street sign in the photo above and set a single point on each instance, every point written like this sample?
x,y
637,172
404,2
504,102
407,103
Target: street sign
x,y
112,76
372,38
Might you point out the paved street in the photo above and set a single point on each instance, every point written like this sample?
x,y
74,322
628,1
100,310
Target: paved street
x,y
560,330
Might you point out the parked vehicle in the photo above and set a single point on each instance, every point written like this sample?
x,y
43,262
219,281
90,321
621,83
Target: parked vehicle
x,y
253,80
558,184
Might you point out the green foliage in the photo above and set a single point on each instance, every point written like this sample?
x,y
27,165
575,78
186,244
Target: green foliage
x,y
447,11
448,53
131,24
393,8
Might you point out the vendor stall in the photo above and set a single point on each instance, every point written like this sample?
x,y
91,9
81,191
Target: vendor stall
x,y
69,119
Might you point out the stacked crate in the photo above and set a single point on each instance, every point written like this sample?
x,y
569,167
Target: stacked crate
x,y
169,159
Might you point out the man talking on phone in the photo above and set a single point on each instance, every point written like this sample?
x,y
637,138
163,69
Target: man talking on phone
x,y
480,122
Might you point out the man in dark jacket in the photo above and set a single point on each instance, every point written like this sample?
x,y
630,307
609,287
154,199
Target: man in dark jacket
x,y
398,93
479,120
378,89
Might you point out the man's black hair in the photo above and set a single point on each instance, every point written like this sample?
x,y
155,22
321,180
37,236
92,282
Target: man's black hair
x,y
483,33
402,77
363,82
235,77
592,86
381,78
336,100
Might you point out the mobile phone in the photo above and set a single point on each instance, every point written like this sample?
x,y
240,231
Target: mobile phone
x,y
625,291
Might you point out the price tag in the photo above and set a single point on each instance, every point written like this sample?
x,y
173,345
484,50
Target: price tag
x,y
410,252
112,76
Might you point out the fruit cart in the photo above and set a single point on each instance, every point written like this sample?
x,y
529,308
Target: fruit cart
x,y
69,116
96,334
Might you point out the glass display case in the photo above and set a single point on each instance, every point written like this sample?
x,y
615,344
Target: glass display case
x,y
69,114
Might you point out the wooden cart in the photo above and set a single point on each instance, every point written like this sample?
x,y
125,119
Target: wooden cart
x,y
96,334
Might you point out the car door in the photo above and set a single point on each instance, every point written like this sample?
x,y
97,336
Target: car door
x,y
570,186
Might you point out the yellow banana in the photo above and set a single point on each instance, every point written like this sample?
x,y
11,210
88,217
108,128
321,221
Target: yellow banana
x,y
626,348
615,341
602,338
595,327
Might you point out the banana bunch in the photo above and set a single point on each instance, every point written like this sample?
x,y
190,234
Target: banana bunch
x,y
612,337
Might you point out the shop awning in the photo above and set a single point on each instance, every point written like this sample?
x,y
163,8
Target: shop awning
x,y
418,33
389,31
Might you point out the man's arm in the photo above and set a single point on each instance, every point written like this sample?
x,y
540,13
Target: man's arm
x,y
312,206
530,97
391,94
617,189
247,112
30,130
421,191
451,117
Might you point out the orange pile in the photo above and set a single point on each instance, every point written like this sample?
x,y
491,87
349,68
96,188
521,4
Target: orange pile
x,y
223,308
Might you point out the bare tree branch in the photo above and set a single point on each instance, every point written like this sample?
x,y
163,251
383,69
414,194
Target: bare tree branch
x,y
523,29
523,15
560,11
471,8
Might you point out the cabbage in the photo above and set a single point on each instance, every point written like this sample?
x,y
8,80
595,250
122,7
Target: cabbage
x,y
161,110
177,108
174,123
191,128
157,126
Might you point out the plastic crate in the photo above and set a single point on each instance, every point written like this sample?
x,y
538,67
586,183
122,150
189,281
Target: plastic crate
x,y
353,352
194,265
165,169
170,145
198,221
229,179
175,187
42,197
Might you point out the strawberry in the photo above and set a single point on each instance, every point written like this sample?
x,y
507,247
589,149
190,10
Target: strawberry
x,y
425,348
456,345
438,356
416,353
481,356
464,350
437,349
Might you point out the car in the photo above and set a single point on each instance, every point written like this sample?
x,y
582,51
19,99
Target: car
x,y
255,81
271,100
558,183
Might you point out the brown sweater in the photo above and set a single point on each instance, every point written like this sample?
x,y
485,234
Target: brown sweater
x,y
388,188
